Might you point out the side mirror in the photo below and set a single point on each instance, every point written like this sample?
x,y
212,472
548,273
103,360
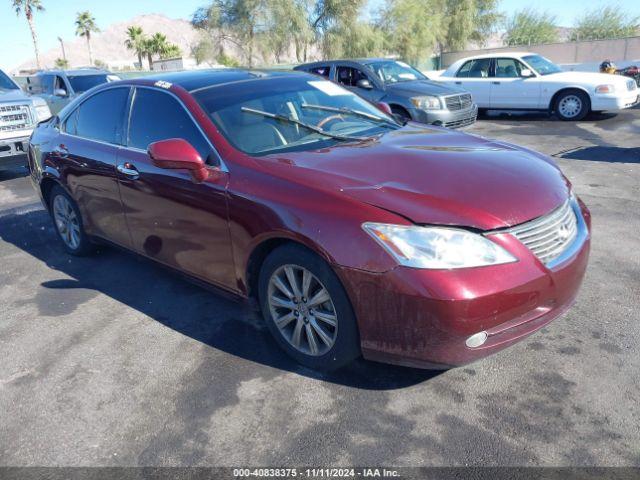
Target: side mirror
x,y
178,154
526,73
60,92
364,83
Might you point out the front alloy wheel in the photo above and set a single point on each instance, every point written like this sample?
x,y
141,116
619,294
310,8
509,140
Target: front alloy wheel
x,y
302,309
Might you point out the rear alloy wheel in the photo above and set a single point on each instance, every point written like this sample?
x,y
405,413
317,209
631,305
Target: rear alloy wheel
x,y
307,310
572,105
68,222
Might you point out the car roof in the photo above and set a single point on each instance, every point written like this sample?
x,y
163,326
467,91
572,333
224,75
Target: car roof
x,y
498,54
346,60
198,79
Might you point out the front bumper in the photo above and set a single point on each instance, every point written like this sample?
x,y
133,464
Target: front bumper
x,y
615,102
446,118
423,318
13,150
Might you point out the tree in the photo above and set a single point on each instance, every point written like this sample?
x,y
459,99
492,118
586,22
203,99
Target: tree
x,y
61,63
135,42
171,50
412,27
468,21
328,16
29,7
604,23
530,27
287,25
85,25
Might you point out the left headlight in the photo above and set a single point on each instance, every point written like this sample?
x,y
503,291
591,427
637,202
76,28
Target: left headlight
x,y
605,89
427,102
42,112
437,247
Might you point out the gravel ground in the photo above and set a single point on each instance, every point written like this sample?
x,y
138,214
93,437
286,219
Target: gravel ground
x,y
111,360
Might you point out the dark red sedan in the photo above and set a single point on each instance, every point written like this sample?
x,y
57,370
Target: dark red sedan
x,y
412,244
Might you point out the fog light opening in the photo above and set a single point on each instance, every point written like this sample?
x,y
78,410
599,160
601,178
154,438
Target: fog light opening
x,y
477,340
437,123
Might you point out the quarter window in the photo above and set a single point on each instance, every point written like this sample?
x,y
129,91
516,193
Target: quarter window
x,y
478,68
100,117
158,116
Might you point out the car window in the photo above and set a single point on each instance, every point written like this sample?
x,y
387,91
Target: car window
x,y
508,68
6,83
478,68
59,83
392,71
46,82
82,83
158,116
349,77
322,71
100,117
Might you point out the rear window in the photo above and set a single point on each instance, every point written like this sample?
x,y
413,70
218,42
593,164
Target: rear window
x,y
82,83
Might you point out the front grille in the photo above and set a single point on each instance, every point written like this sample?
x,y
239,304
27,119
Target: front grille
x,y
458,102
549,236
14,117
463,122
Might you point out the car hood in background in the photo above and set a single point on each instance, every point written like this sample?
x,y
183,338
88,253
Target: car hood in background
x,y
14,95
589,78
434,176
422,87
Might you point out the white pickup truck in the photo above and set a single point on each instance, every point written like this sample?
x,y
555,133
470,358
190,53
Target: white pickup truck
x,y
19,114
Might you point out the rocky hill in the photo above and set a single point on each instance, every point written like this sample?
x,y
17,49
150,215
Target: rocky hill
x,y
108,45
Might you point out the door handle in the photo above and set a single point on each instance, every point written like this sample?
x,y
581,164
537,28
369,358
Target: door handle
x,y
128,171
496,83
458,83
61,151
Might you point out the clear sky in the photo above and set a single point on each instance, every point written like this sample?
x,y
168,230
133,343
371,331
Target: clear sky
x,y
58,18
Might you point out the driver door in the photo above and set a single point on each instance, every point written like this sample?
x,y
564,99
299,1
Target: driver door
x,y
172,218
349,77
509,89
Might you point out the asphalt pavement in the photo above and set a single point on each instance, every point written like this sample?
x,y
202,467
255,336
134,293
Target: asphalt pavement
x,y
111,360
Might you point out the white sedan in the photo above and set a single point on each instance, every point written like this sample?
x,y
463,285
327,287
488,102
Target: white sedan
x,y
526,81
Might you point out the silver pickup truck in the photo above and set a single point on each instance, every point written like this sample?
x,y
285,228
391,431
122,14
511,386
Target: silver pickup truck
x,y
19,113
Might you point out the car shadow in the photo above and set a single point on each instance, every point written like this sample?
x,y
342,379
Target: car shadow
x,y
603,154
539,116
214,320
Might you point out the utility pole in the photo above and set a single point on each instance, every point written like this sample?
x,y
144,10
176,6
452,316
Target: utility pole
x,y
64,55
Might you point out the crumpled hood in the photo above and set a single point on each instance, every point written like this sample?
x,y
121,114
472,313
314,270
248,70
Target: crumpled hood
x,y
436,176
422,87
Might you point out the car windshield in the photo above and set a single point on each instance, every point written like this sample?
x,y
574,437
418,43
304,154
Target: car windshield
x,y
391,71
82,83
6,83
287,113
542,65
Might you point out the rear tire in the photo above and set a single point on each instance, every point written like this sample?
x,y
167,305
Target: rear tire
x,y
572,105
307,309
67,222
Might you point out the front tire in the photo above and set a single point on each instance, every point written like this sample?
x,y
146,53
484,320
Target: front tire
x,y
67,222
572,105
307,309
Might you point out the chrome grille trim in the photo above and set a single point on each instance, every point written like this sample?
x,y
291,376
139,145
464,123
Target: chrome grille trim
x,y
555,237
15,117
458,102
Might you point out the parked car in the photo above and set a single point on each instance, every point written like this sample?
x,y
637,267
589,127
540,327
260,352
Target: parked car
x,y
526,81
59,87
409,93
19,113
414,245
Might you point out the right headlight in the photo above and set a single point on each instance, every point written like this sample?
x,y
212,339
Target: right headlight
x,y
427,102
437,247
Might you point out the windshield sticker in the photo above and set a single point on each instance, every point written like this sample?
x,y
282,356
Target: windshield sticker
x,y
329,88
162,84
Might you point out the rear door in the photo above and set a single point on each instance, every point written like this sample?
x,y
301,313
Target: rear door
x,y
475,76
88,145
172,218
509,89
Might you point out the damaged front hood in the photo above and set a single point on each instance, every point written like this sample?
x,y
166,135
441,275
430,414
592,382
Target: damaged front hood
x,y
437,176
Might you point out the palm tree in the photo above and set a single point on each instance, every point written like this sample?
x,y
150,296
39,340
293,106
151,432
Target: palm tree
x,y
171,51
85,24
156,45
28,7
135,41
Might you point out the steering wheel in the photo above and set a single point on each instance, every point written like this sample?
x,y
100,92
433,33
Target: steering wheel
x,y
331,118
